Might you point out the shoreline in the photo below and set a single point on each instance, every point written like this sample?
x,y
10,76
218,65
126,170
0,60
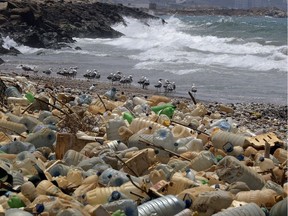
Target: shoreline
x,y
257,117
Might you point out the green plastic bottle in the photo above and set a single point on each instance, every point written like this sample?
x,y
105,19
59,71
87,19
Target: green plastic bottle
x,y
15,202
30,97
128,116
157,109
168,111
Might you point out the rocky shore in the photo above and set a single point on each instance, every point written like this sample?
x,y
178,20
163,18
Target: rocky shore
x,y
53,24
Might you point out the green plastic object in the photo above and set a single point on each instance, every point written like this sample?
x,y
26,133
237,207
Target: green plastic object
x,y
168,111
118,213
30,97
157,109
128,116
15,202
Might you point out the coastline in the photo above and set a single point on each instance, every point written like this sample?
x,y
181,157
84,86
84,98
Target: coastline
x,y
257,117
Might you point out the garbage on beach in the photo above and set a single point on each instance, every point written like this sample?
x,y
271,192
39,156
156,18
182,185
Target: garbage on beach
x,y
63,154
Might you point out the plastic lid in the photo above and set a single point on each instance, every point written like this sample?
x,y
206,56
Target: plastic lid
x,y
261,159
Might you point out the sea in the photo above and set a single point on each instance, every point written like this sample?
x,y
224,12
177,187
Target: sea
x,y
228,59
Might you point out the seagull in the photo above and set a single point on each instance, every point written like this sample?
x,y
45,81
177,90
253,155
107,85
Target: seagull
x,y
158,85
48,72
26,68
193,89
146,83
141,81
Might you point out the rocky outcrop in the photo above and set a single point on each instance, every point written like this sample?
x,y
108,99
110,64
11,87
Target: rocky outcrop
x,y
54,24
273,12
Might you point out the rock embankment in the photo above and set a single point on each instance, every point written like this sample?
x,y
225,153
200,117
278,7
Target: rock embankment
x,y
272,12
52,24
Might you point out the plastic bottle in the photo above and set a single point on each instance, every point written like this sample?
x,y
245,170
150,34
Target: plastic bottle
x,y
13,126
128,206
230,169
128,116
281,155
163,206
168,111
219,138
279,208
250,209
12,92
17,212
43,138
163,120
112,127
180,131
138,100
203,161
157,109
15,202
163,137
266,164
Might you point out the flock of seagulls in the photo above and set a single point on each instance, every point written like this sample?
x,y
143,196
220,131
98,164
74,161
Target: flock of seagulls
x,y
115,78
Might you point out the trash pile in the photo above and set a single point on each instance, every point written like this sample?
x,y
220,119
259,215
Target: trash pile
x,y
68,154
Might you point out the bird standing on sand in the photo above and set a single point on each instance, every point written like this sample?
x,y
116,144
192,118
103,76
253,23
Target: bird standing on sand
x,y
158,85
48,72
146,83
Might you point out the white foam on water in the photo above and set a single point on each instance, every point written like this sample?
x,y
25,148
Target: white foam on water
x,y
8,43
168,44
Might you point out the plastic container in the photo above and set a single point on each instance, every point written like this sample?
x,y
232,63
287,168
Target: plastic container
x,y
72,157
265,197
199,110
279,208
178,183
12,126
139,123
203,161
124,133
185,212
29,122
29,191
128,116
195,145
43,138
266,164
12,91
276,187
231,170
168,111
220,138
250,209
17,212
163,137
210,202
46,187
180,131
138,101
164,120
112,177
163,206
128,206
159,108
17,147
281,155
112,127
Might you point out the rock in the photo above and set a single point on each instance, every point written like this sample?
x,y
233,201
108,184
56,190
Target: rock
x,y
54,25
11,51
